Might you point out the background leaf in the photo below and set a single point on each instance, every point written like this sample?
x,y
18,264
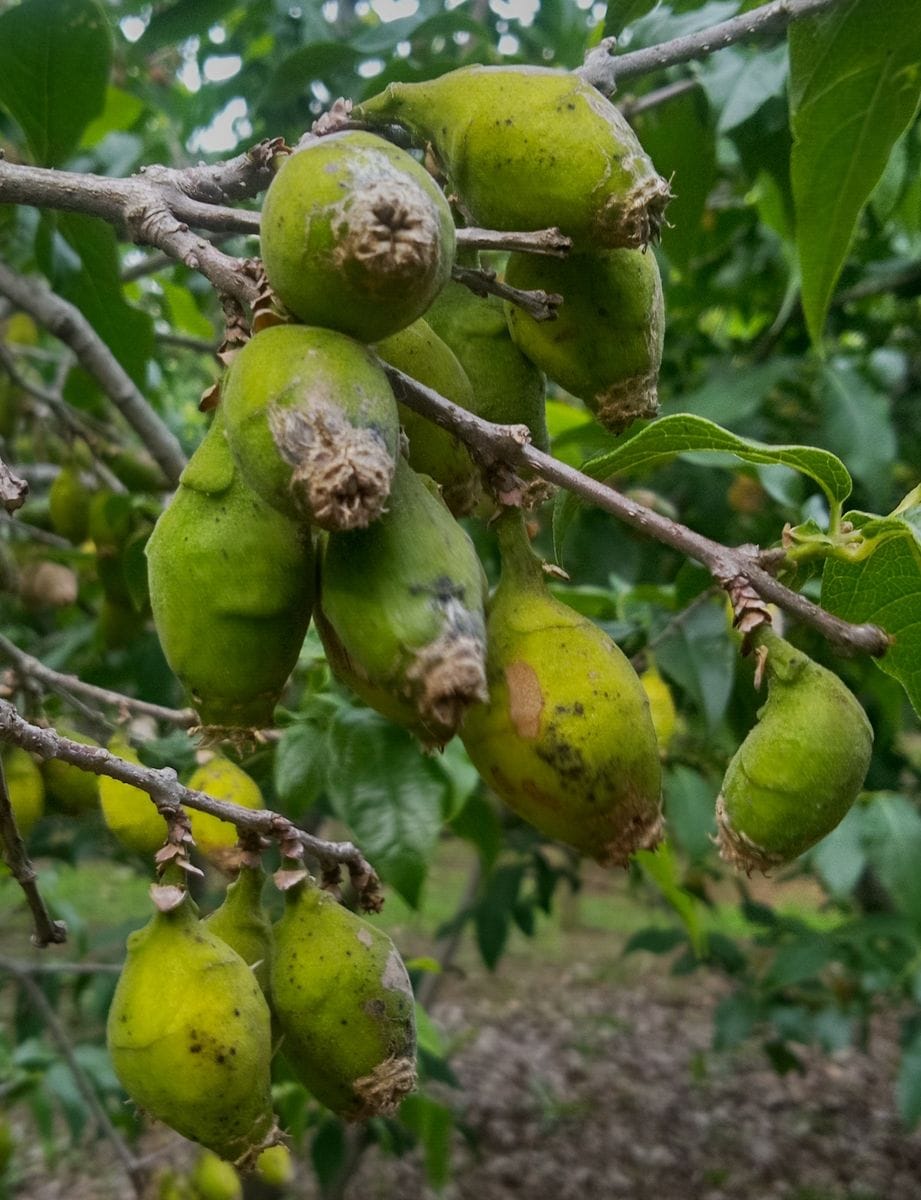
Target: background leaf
x,y
855,81
54,66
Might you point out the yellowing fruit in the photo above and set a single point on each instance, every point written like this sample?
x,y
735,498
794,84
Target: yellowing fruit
x,y
222,780
129,813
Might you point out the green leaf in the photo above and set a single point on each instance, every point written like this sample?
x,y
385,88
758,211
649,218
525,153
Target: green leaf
x,y
855,81
840,857
185,19
892,839
478,822
857,426
621,13
54,66
120,112
432,1123
300,766
660,869
655,941
388,793
700,657
799,960
690,800
683,433
884,589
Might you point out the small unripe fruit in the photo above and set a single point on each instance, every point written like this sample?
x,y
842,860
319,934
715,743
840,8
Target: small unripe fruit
x,y
566,739
25,788
231,588
71,789
189,1034
606,344
356,236
129,813
401,612
799,770
661,705
214,1179
223,780
419,351
345,1006
313,424
69,505
275,1167
528,148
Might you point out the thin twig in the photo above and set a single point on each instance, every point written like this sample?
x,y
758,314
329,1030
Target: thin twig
x,y
48,932
539,241
21,966
168,794
40,1001
68,324
497,444
482,281
25,664
447,947
605,69
185,341
631,107
44,536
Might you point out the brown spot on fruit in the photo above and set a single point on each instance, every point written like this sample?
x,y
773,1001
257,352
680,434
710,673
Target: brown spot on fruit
x,y
525,699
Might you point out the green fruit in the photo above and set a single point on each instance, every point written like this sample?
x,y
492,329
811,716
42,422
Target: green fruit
x,y
345,1006
275,1167
799,769
661,705
507,387
7,1145
401,612
223,780
528,148
231,588
566,739
69,505
606,344
241,922
129,813
214,1179
25,788
356,236
433,451
189,1035
313,424
119,624
71,789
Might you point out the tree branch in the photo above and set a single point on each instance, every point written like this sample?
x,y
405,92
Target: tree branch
x,y
38,998
730,567
539,241
604,69
68,324
168,794
48,932
482,281
33,668
632,106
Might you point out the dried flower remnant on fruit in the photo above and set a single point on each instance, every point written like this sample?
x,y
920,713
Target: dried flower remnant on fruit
x,y
799,770
313,424
356,236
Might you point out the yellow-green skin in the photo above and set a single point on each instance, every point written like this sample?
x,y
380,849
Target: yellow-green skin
x,y
69,505
356,236
530,147
566,739
69,789
400,612
242,923
189,1036
606,344
214,1179
800,769
661,706
231,588
25,787
300,404
223,780
128,812
419,351
507,387
345,1006
274,1167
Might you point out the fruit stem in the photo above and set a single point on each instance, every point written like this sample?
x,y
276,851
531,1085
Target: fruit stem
x,y
784,662
520,564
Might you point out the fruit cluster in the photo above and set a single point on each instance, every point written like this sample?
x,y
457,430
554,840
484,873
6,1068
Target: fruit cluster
x,y
316,493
